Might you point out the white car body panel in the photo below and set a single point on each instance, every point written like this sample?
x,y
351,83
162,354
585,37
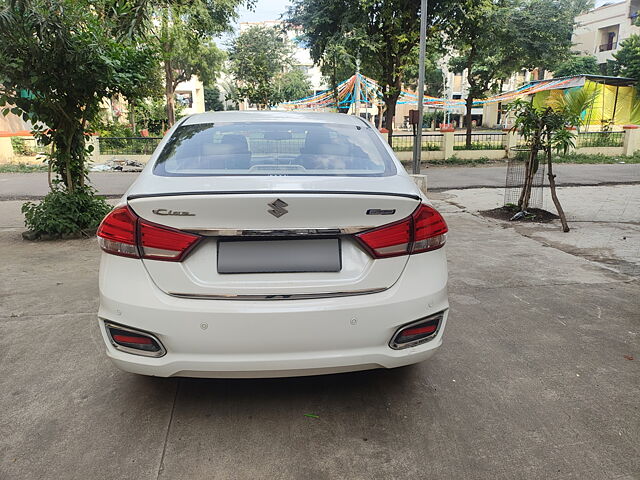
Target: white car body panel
x,y
219,325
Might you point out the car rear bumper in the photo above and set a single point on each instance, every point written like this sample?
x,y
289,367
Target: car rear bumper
x,y
277,338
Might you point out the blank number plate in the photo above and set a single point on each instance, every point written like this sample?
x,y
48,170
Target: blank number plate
x,y
279,256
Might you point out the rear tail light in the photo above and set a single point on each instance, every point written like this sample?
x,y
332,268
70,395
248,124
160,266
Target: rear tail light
x,y
416,333
424,230
134,341
123,233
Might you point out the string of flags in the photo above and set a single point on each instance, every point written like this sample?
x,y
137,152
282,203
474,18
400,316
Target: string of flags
x,y
371,93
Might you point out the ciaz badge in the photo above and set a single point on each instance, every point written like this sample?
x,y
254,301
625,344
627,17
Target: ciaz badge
x,y
175,213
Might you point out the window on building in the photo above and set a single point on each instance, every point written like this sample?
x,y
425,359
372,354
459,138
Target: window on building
x,y
608,38
185,99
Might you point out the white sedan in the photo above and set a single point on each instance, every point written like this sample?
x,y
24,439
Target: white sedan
x,y
272,244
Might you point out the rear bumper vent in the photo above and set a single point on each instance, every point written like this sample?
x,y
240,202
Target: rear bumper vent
x,y
134,341
418,332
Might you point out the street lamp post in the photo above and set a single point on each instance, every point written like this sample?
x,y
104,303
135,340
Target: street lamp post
x,y
417,142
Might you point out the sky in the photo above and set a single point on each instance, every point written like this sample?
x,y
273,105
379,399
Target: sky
x,y
263,10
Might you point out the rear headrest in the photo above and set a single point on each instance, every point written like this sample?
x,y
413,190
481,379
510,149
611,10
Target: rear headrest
x,y
328,149
209,149
316,137
238,141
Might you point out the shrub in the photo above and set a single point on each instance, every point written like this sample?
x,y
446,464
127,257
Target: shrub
x,y
61,212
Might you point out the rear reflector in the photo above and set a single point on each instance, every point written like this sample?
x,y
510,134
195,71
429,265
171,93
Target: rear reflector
x,y
424,230
417,332
123,233
133,341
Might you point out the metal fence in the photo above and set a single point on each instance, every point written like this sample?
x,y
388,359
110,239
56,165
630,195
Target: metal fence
x,y
28,146
430,142
600,139
128,145
516,173
479,141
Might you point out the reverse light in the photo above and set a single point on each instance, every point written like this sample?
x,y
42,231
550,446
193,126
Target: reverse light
x,y
123,233
423,231
417,333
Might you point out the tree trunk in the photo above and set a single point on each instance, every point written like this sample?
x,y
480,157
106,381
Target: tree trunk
x,y
554,196
529,172
132,116
169,93
380,113
390,112
467,121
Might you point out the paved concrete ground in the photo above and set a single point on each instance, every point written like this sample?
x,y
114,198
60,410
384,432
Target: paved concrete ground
x,y
534,381
34,185
604,221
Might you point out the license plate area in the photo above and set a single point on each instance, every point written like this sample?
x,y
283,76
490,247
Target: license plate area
x,y
279,255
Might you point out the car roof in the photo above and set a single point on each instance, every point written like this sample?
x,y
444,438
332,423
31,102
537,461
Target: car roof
x,y
273,116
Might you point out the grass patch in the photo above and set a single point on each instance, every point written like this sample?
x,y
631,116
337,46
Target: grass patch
x,y
480,146
582,158
22,167
426,147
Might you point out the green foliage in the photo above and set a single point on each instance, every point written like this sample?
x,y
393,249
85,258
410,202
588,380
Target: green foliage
x,y
19,146
336,65
432,118
151,114
212,102
479,146
62,212
293,85
496,38
22,167
628,57
577,65
433,76
581,158
182,33
573,103
58,59
258,57
453,160
382,34
114,129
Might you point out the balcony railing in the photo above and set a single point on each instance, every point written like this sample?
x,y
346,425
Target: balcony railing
x,y
605,47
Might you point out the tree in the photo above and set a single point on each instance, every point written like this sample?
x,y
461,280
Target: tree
x,y
151,115
258,56
183,32
58,59
494,38
212,102
381,33
293,84
628,57
336,65
547,129
577,65
433,76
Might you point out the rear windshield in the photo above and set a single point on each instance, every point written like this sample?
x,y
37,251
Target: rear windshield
x,y
272,148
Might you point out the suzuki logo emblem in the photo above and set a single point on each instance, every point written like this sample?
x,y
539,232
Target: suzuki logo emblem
x,y
277,208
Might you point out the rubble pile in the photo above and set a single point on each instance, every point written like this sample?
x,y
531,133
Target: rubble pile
x,y
117,165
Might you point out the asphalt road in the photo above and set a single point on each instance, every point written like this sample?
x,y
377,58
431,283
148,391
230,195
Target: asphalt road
x,y
537,379
34,185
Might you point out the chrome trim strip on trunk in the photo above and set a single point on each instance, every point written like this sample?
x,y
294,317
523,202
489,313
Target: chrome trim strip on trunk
x,y
293,232
291,296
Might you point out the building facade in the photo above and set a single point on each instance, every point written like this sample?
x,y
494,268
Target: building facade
x,y
600,31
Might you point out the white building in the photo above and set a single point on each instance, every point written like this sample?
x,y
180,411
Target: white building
x,y
190,95
601,30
